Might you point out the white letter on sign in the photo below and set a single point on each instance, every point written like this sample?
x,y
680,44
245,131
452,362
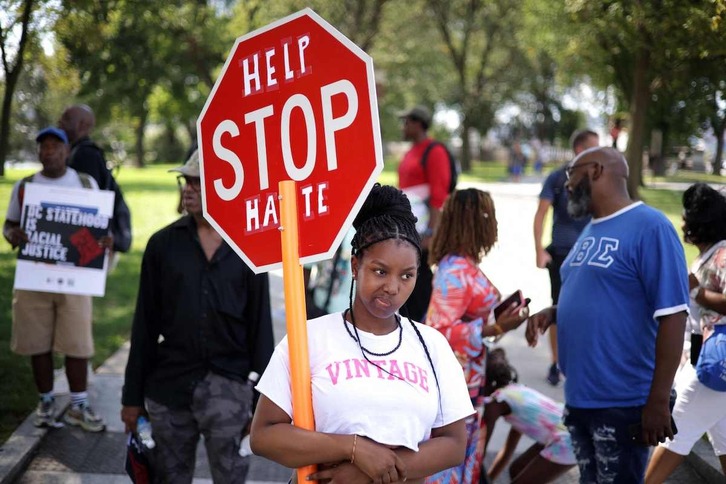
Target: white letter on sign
x,y
306,191
289,74
252,209
251,76
302,44
271,81
270,211
331,124
302,102
258,117
227,194
322,208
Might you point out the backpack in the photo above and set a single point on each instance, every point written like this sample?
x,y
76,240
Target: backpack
x,y
711,366
454,166
121,221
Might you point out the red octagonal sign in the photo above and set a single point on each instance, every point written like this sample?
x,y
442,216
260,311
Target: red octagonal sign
x,y
295,100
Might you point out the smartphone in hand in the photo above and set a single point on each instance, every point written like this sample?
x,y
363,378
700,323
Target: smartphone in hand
x,y
515,297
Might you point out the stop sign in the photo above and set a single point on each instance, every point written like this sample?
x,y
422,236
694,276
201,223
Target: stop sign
x,y
295,101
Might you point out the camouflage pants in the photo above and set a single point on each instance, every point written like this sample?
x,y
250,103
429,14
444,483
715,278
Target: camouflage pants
x,y
219,412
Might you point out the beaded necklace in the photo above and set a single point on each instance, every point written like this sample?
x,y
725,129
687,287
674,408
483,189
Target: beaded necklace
x,y
352,317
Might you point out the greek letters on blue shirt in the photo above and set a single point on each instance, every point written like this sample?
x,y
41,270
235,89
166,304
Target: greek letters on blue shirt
x,y
595,252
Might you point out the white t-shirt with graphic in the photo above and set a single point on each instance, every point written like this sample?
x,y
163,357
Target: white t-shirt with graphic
x,y
397,404
70,179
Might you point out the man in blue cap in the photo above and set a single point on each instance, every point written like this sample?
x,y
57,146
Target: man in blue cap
x,y
44,322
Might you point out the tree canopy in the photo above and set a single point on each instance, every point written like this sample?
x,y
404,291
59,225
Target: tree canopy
x,y
147,67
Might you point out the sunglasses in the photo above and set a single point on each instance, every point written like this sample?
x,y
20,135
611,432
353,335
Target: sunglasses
x,y
194,183
571,169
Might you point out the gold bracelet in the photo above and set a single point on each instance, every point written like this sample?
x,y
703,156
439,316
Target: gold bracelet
x,y
352,454
498,329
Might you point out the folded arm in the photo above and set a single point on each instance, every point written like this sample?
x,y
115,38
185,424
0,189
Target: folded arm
x,y
273,436
446,448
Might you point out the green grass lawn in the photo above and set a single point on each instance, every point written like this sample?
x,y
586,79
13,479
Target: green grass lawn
x,y
152,195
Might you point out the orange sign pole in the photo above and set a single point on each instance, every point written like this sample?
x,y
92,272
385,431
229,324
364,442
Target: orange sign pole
x,y
297,336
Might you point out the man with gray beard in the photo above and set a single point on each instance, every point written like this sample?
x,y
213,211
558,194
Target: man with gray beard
x,y
620,320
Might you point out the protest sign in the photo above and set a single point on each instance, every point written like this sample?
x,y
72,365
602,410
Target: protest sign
x,y
63,226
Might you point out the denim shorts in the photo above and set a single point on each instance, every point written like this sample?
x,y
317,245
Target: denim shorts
x,y
603,447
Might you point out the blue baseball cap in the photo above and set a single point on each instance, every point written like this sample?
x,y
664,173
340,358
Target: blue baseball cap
x,y
52,131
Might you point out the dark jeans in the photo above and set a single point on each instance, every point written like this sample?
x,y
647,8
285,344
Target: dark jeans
x,y
604,450
554,269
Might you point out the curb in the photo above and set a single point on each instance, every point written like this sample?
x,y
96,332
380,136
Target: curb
x,y
18,450
703,460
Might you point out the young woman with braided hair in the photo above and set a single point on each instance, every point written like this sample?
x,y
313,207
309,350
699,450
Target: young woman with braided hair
x,y
461,308
389,397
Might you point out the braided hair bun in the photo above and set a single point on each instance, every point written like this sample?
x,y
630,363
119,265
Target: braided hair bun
x,y
386,214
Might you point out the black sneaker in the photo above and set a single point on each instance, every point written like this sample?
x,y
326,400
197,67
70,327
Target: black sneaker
x,y
553,376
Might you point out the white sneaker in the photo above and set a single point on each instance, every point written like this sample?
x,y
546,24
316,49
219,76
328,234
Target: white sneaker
x,y
45,414
83,416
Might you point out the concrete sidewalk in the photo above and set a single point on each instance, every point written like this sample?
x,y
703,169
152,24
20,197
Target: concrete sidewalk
x,y
69,455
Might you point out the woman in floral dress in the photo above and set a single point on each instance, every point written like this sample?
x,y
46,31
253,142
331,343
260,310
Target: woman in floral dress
x,y
461,308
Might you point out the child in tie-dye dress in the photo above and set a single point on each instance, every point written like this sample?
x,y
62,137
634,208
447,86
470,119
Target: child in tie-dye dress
x,y
529,413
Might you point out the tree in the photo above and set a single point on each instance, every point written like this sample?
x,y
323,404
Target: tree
x,y
18,16
124,49
635,46
44,86
480,37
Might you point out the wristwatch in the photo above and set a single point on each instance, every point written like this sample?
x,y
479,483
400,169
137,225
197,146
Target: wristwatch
x,y
694,292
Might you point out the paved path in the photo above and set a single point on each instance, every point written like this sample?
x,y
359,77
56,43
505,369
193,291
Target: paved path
x,y
72,456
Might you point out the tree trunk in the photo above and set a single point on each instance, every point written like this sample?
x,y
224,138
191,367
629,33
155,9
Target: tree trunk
x,y
658,164
465,157
139,146
5,122
11,80
638,110
719,127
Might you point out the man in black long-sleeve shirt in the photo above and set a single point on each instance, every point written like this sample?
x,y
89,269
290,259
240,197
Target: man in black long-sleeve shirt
x,y
202,323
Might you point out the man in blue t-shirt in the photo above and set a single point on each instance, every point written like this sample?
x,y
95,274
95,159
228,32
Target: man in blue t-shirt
x,y
565,231
620,317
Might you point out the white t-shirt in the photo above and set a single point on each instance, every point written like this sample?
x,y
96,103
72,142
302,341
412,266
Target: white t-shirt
x,y
351,396
70,179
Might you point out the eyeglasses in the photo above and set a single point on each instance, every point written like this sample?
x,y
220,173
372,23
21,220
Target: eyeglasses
x,y
194,183
571,169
